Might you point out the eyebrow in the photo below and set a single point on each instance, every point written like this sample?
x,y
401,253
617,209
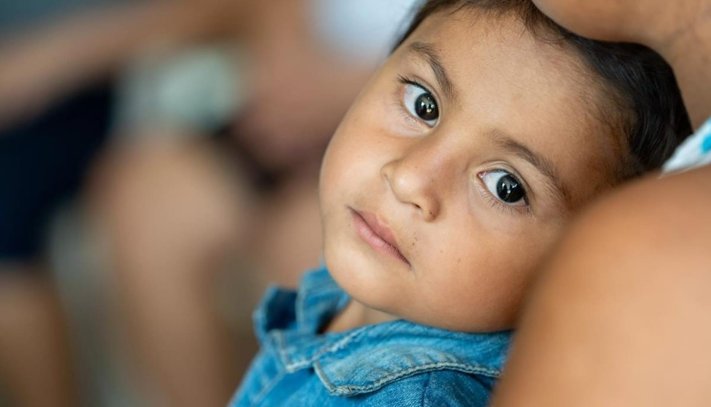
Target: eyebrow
x,y
428,52
540,162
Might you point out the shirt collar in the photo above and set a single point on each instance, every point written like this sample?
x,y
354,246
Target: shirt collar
x,y
380,354
364,359
305,311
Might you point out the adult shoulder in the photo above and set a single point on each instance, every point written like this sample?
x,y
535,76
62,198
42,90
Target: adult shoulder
x,y
621,307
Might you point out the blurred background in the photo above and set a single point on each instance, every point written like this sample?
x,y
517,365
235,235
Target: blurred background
x,y
158,168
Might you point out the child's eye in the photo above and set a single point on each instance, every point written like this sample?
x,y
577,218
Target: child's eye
x,y
420,103
505,187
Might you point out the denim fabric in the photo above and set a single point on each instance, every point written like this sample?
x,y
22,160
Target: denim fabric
x,y
392,364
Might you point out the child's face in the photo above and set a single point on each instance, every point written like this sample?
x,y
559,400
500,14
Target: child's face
x,y
439,199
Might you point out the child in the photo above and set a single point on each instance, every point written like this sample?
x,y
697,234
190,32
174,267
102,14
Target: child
x,y
452,174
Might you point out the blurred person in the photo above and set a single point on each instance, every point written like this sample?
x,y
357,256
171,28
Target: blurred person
x,y
42,159
55,81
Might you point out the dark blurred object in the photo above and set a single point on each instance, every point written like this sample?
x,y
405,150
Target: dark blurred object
x,y
43,161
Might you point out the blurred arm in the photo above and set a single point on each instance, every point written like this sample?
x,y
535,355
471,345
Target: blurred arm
x,y
42,64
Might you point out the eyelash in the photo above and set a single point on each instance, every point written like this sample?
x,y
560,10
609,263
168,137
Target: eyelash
x,y
404,80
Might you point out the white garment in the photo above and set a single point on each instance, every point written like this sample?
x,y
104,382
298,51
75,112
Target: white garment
x,y
197,89
693,152
364,30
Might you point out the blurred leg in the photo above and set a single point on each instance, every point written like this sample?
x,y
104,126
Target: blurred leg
x,y
34,351
620,317
184,345
291,227
172,217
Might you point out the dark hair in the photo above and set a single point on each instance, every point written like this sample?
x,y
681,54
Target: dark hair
x,y
648,108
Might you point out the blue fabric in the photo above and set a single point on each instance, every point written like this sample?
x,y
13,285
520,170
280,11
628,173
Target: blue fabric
x,y
396,363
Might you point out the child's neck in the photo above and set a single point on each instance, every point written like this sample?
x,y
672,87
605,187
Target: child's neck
x,y
357,314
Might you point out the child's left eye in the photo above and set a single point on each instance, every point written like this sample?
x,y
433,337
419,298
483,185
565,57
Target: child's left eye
x,y
505,187
421,104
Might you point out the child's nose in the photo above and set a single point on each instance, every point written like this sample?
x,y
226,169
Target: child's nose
x,y
413,180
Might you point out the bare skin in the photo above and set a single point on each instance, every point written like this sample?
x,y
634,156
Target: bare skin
x,y
680,31
34,353
617,318
165,300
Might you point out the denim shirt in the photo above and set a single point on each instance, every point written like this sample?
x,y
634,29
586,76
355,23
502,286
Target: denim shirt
x,y
397,363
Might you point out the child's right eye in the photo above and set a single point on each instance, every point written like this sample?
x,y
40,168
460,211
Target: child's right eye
x,y
420,103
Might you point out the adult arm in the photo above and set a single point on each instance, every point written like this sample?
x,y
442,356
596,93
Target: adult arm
x,y
620,316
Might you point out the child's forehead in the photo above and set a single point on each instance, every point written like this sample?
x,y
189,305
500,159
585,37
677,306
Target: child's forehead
x,y
467,39
470,29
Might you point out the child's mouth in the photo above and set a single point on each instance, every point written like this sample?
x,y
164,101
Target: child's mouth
x,y
377,235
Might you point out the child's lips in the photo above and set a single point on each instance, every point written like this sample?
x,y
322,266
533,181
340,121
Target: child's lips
x,y
377,234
